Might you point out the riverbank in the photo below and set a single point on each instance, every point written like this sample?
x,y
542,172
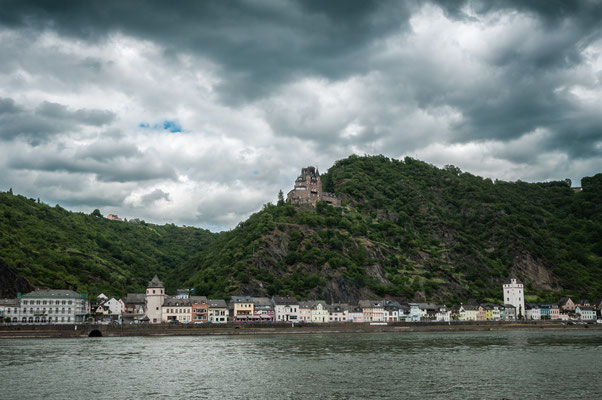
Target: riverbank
x,y
87,330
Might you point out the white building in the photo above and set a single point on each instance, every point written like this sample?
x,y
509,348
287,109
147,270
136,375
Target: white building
x,y
514,294
443,314
218,311
155,296
48,306
9,310
415,313
114,305
174,309
532,312
286,309
338,313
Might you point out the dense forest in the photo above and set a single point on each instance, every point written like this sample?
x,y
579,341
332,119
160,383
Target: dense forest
x,y
410,230
406,230
43,246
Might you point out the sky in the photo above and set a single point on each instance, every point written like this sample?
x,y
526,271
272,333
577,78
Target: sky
x,y
198,112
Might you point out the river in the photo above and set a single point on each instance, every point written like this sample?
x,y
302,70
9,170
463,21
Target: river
x,y
449,365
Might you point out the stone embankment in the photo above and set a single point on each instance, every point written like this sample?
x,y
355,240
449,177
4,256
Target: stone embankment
x,y
93,330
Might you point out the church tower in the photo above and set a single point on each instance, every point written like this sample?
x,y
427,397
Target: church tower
x,y
514,294
155,295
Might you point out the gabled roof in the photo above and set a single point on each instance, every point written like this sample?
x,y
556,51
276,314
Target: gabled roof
x,y
155,283
52,293
198,299
564,300
9,302
338,308
134,298
306,304
370,304
173,302
322,302
427,306
217,303
284,301
261,301
241,299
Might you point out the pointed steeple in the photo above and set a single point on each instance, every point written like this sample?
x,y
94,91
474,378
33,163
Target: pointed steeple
x,y
155,283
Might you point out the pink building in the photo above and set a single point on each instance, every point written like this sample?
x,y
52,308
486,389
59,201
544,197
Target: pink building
x,y
356,314
305,310
113,217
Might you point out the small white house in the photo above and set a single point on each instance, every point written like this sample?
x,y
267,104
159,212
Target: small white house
x,y
114,305
415,313
443,314
532,312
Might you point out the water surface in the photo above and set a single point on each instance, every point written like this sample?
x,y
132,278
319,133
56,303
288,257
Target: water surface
x,y
451,365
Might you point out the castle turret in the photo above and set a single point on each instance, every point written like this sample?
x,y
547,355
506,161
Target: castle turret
x,y
155,295
514,294
308,189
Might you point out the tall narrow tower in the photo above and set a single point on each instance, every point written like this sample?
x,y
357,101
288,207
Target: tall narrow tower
x,y
155,295
514,294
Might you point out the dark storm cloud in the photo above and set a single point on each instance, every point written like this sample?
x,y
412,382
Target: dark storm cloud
x,y
82,116
257,45
49,119
241,91
140,167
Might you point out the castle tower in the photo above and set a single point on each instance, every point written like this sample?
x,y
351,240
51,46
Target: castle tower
x,y
514,294
308,189
155,295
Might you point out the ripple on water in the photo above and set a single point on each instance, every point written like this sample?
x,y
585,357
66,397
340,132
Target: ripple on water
x,y
449,365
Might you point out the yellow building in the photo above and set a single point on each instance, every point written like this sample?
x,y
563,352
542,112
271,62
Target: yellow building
x,y
243,305
319,312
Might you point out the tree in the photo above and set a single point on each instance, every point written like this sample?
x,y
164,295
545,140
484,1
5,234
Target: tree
x,y
280,198
96,213
10,191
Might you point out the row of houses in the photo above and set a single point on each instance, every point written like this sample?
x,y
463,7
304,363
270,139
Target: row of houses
x,y
154,306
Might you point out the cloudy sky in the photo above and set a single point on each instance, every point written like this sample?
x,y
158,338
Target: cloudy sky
x,y
198,113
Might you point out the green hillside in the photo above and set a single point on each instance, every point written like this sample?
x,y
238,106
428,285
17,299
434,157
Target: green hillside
x,y
413,231
43,246
407,230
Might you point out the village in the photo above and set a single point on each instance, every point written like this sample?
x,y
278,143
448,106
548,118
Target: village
x,y
156,307
46,307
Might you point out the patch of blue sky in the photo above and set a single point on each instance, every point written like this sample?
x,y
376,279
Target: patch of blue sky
x,y
171,126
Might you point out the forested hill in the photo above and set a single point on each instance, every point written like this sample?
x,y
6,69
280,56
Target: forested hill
x,y
43,246
409,230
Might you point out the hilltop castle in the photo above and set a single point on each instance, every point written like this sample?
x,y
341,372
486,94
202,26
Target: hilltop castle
x,y
308,190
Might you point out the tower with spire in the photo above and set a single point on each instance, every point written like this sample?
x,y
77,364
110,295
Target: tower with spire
x,y
155,295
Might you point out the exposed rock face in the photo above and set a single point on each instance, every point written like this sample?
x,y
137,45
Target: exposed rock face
x,y
12,283
533,272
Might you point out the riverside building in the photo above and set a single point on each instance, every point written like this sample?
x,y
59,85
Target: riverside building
x,y
52,307
514,295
